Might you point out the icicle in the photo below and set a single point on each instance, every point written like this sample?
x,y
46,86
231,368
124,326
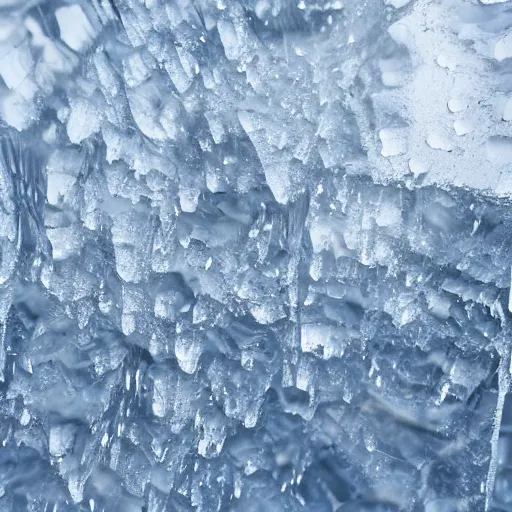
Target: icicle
x,y
503,388
510,293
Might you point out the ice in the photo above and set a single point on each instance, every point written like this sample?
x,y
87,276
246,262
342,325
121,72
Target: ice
x,y
83,121
503,389
255,256
503,48
61,439
437,140
323,340
16,65
75,28
507,111
393,142
16,111
456,105
462,127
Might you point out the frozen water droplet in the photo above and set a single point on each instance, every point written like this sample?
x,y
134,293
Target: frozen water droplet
x,y
417,167
462,127
456,105
437,140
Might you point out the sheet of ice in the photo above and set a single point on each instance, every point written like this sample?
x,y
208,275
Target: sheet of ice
x,y
255,256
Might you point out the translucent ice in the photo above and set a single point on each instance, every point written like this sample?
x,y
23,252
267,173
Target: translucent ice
x,y
255,256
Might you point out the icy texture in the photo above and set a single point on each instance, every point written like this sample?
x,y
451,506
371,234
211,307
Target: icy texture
x,y
255,256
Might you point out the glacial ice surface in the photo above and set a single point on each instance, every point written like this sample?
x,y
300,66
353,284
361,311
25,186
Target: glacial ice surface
x,y
255,255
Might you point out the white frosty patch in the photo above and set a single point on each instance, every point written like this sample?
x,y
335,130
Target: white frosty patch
x,y
437,140
394,142
84,120
16,65
503,48
462,127
75,28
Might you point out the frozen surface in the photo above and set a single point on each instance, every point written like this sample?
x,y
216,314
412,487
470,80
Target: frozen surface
x,y
255,256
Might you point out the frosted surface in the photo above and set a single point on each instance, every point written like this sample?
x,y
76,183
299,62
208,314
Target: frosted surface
x,y
255,255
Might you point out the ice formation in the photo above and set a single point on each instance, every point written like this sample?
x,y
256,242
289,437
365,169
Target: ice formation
x,y
255,255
